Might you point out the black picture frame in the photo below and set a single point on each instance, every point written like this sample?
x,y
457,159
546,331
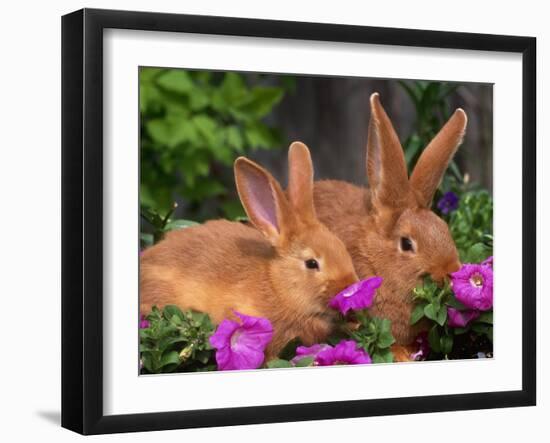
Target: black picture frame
x,y
82,218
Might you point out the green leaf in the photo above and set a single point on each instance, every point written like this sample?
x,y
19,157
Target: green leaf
x,y
279,363
441,315
172,310
385,325
383,356
170,358
454,303
208,128
179,224
259,135
176,320
477,253
433,339
446,342
176,80
148,363
430,312
303,362
234,138
171,132
262,101
233,88
166,342
485,317
417,313
385,340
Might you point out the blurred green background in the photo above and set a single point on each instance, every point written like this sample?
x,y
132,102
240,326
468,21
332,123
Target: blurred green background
x,y
193,124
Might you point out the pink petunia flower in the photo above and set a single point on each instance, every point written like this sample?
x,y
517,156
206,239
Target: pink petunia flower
x,y
311,351
241,345
143,322
460,319
358,296
344,353
473,286
423,346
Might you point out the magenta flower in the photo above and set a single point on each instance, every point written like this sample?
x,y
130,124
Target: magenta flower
x,y
311,351
344,353
448,202
488,261
423,347
473,286
241,345
358,296
143,322
460,319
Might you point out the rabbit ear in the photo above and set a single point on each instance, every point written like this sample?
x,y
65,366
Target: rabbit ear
x,y
434,160
262,198
386,168
300,181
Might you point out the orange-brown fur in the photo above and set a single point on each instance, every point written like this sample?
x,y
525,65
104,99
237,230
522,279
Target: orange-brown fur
x,y
221,266
371,221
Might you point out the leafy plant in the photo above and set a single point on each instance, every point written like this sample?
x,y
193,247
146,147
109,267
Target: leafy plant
x,y
374,335
432,305
471,226
176,340
160,225
193,125
430,100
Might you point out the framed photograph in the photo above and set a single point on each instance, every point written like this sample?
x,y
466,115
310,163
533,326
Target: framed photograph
x,y
269,221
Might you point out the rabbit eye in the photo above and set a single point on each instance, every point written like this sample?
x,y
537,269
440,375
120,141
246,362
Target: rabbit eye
x,y
312,264
407,244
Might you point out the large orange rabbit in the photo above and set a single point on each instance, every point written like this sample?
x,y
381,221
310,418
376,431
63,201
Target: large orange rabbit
x,y
287,269
388,227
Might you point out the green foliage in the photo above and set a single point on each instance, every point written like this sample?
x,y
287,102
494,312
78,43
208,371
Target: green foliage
x,y
160,225
176,341
432,302
193,125
374,335
471,226
430,100
279,363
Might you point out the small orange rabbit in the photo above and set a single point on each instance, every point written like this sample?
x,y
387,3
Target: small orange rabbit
x,y
287,269
388,227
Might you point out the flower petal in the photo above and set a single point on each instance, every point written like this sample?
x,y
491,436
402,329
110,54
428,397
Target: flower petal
x,y
257,331
461,319
358,296
345,352
472,295
311,351
222,337
241,346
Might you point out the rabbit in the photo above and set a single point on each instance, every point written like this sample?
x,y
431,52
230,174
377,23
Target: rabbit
x,y
286,267
388,227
